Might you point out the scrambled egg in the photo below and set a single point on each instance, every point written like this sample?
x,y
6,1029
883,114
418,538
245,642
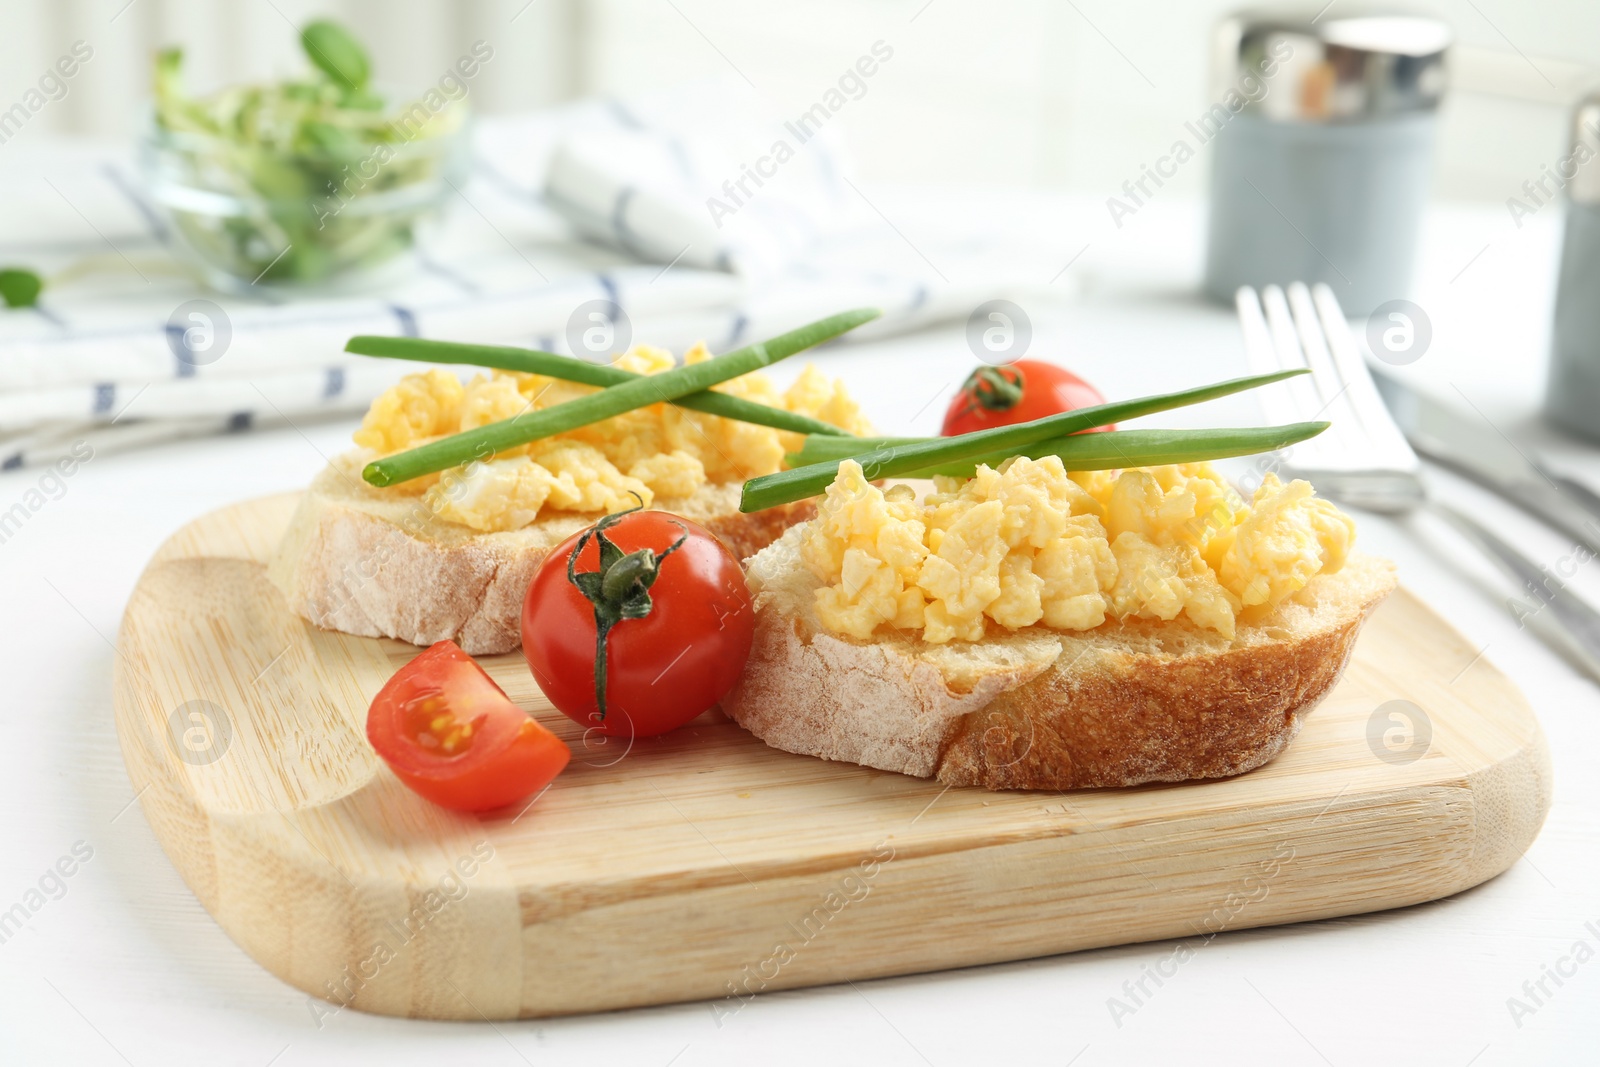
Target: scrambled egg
x,y
656,451
1030,544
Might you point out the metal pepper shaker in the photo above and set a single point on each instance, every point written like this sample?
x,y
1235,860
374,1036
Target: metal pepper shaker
x,y
1573,397
1323,136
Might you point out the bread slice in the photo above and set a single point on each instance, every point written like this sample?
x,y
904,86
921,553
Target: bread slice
x,y
1125,703
377,563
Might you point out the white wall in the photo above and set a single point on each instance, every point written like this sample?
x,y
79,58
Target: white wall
x,y
1045,93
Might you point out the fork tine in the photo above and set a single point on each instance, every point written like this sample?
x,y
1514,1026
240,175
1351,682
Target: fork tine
x,y
1369,409
1286,340
1344,439
1257,341
1262,355
1354,460
1324,378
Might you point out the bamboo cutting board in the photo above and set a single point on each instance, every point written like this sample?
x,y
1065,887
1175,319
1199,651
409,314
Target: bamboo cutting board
x,y
704,865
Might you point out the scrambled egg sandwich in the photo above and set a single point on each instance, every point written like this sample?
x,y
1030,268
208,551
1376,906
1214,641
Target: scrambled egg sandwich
x,y
1030,627
449,555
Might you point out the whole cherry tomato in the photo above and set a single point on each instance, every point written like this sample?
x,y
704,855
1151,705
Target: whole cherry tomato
x,y
1022,391
450,733
637,624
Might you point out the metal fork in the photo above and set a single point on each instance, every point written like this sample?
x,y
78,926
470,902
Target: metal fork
x,y
1363,459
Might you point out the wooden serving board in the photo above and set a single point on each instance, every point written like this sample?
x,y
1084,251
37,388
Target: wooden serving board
x,y
705,865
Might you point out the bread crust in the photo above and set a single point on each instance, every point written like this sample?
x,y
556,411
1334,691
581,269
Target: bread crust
x,y
1125,704
377,564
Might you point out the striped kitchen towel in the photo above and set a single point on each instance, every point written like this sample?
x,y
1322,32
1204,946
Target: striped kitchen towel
x,y
125,348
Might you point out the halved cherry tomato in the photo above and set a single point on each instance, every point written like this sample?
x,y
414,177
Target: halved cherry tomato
x,y
637,624
450,733
1021,391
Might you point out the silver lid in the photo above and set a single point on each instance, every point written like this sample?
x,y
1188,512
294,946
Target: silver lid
x,y
1332,70
1583,185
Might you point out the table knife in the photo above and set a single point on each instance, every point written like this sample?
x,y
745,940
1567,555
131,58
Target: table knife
x,y
1469,444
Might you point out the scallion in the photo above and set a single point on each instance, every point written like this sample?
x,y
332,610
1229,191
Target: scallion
x,y
1087,451
1143,448
906,459
533,425
568,369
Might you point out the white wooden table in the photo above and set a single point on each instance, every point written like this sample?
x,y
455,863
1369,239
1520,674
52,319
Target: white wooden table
x,y
119,964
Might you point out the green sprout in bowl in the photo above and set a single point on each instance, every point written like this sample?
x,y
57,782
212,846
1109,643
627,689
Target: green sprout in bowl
x,y
303,180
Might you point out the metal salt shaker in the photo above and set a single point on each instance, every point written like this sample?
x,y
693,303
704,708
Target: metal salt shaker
x,y
1573,398
1322,152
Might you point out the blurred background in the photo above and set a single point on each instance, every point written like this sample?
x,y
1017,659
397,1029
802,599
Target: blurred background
x,y
1028,93
995,150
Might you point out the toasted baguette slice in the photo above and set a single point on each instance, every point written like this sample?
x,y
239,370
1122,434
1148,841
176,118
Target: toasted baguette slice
x,y
1125,703
379,564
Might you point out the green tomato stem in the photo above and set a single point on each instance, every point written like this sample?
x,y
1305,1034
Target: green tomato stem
x,y
618,590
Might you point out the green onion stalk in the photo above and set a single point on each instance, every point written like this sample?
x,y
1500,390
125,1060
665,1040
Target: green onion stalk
x,y
641,391
570,369
898,457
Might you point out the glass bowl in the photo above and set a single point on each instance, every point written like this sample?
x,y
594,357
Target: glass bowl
x,y
243,216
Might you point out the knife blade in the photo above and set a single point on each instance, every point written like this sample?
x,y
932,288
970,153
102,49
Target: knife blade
x,y
1470,445
1576,626
1585,497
